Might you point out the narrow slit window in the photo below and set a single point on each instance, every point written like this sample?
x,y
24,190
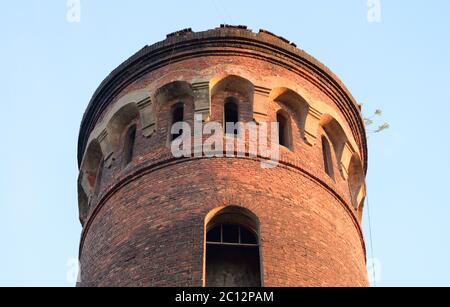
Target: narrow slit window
x,y
328,162
129,145
231,115
283,137
177,117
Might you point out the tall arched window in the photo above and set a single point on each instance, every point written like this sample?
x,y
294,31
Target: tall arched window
x,y
232,250
130,139
327,160
284,131
177,116
231,115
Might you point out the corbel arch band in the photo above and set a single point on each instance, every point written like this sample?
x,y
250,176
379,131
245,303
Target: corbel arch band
x,y
141,106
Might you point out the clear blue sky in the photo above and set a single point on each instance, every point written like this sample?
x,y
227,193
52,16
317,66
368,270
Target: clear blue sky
x,y
50,68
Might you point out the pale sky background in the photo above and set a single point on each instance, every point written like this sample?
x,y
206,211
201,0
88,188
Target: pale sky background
x,y
50,68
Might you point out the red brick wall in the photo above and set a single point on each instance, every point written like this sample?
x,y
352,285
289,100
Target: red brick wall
x,y
146,227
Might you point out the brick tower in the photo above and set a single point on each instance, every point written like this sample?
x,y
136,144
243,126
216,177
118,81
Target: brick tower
x,y
151,218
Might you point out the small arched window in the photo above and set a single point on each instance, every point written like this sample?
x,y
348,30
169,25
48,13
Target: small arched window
x,y
130,139
284,137
177,116
231,114
327,160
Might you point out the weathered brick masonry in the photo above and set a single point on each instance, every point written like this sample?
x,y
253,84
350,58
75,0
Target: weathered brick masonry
x,y
144,222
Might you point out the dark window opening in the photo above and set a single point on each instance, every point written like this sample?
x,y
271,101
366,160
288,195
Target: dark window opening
x,y
177,117
130,139
231,115
283,137
214,235
328,164
247,237
231,234
232,257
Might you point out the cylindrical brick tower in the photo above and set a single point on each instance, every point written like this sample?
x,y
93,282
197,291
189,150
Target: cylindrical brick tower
x,y
152,218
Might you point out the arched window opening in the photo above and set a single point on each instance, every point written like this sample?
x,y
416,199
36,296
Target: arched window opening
x,y
231,114
118,124
327,160
130,139
232,251
177,117
296,104
335,135
283,132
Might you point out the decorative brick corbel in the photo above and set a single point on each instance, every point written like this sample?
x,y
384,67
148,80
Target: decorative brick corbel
x,y
201,99
311,125
147,114
106,147
260,104
347,154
